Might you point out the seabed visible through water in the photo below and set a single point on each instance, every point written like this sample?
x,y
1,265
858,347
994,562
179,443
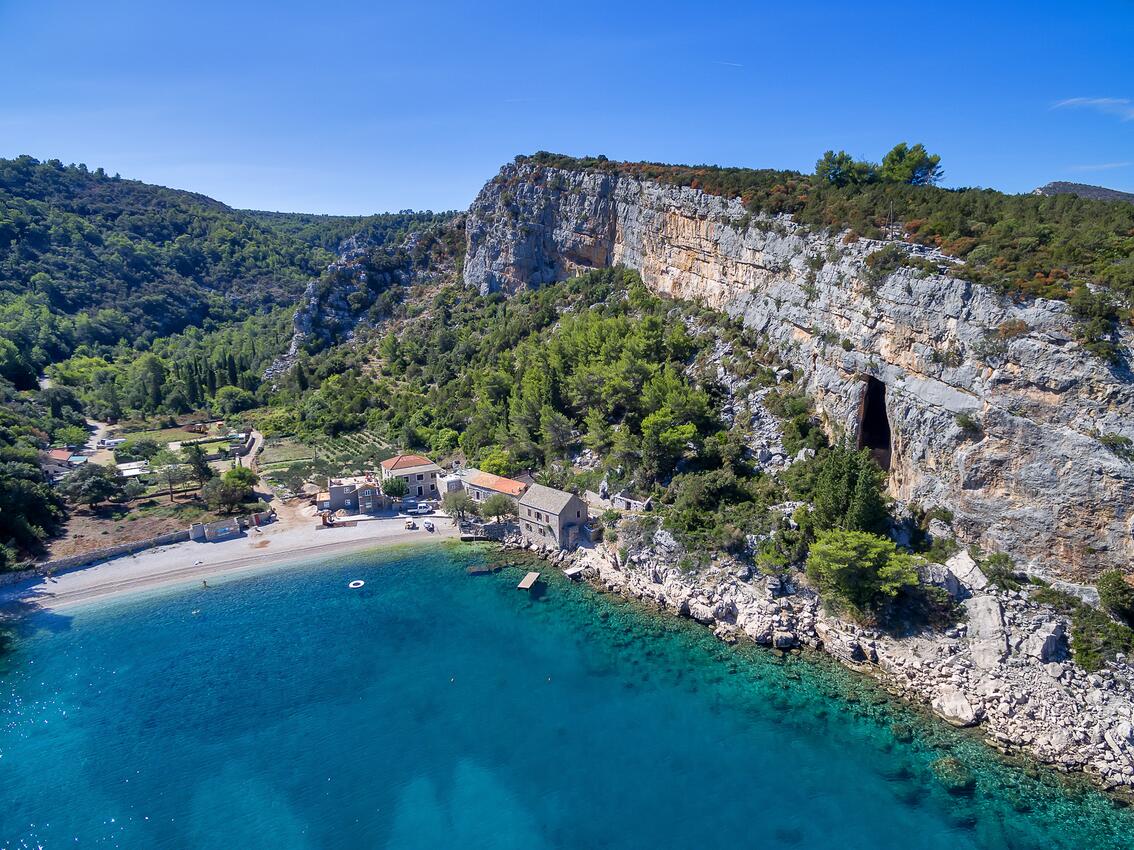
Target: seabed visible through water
x,y
431,708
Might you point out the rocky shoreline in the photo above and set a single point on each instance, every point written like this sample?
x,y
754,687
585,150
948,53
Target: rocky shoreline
x,y
1006,670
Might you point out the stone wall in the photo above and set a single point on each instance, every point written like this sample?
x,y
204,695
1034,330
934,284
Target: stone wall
x,y
995,411
109,553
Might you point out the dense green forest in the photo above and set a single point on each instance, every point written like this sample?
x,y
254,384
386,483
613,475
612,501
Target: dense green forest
x,y
1062,246
30,508
490,375
88,259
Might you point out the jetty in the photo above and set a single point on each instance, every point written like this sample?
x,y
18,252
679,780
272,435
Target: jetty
x,y
528,581
574,573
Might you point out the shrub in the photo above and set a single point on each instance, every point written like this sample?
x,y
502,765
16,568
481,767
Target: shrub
x,y
1117,596
1118,445
1012,329
1096,638
998,568
1060,600
884,262
859,571
967,423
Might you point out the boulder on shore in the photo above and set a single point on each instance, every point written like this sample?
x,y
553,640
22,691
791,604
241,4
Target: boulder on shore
x,y
952,704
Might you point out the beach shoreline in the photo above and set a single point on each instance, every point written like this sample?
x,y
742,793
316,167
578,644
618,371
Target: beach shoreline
x,y
182,564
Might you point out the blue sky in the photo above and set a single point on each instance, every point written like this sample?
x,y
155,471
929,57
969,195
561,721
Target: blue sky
x,y
343,107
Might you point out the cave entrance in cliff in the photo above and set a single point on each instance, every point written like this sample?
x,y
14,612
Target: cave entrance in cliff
x,y
874,424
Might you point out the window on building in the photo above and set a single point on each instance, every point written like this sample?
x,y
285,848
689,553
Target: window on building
x,y
420,477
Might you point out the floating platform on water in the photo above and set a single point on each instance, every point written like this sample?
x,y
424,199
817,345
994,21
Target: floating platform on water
x,y
528,581
573,573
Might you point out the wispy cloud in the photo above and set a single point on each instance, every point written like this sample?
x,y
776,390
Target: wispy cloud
x,y
1101,166
729,64
1123,107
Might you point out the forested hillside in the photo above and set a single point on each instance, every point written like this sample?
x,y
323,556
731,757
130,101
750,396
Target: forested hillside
x,y
92,259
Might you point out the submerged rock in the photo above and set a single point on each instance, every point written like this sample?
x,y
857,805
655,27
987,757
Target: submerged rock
x,y
952,773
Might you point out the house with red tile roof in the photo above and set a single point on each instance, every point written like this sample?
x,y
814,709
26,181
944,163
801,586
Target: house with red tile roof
x,y
419,472
480,485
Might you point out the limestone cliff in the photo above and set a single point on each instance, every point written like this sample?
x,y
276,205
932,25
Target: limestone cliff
x,y
986,407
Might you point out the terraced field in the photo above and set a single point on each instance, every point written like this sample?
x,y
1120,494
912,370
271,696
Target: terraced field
x,y
288,463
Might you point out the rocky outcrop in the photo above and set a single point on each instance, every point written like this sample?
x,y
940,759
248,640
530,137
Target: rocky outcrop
x,y
1024,696
994,411
347,296
1084,190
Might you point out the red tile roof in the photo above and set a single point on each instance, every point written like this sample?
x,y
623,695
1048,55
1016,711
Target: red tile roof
x,y
498,483
60,454
405,462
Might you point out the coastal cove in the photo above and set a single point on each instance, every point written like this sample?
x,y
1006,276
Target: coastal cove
x,y
432,708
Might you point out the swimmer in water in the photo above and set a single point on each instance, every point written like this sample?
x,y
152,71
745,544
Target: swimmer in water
x,y
204,583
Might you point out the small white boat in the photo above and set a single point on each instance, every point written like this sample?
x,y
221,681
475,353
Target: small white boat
x,y
428,525
410,524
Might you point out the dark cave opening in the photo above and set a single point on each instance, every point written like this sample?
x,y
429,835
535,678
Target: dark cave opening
x,y
873,424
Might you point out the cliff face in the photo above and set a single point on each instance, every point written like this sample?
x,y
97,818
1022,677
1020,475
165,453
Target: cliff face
x,y
992,409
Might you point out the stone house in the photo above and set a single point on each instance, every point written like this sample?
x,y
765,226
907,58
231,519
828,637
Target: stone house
x,y
358,494
480,485
421,475
624,501
550,517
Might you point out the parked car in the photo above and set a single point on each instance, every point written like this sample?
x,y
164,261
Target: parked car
x,y
420,510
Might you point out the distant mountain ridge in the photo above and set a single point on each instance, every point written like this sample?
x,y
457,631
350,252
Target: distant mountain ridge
x,y
1084,190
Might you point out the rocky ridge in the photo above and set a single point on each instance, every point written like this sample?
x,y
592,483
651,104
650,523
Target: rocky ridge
x,y
325,313
996,412
1005,670
1084,190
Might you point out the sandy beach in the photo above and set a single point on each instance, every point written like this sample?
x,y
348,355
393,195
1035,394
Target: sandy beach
x,y
296,538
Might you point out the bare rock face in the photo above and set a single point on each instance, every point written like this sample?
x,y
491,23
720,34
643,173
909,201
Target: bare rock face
x,y
987,638
988,408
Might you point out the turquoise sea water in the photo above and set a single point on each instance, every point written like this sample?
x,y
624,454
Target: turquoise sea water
x,y
433,709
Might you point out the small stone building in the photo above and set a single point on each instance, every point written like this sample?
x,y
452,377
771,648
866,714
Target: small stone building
x,y
480,485
550,517
221,529
420,474
358,494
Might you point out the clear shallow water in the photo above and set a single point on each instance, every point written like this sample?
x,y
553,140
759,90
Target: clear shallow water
x,y
433,709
